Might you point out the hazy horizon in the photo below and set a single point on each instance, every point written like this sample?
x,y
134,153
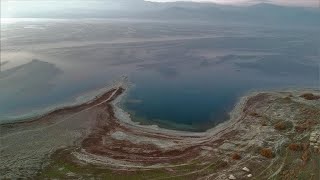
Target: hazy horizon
x,y
304,3
147,9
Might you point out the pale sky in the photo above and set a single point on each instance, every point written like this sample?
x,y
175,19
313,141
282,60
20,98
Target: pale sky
x,y
309,3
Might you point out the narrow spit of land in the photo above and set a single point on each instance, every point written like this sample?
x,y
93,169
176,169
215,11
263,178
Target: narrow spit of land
x,y
269,135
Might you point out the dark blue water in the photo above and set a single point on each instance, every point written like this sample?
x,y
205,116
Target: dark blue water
x,y
198,99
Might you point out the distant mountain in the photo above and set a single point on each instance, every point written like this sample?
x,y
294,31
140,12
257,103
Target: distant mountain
x,y
270,13
264,13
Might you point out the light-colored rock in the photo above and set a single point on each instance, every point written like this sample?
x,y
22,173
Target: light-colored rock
x,y
249,175
228,146
246,169
70,174
119,135
232,177
207,148
313,140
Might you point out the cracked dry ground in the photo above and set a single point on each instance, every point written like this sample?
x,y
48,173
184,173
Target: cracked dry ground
x,y
268,133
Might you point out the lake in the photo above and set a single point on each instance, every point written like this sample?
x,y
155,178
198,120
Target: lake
x,y
185,75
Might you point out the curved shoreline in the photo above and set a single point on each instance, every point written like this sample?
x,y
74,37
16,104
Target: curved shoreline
x,y
134,147
124,116
87,97
99,133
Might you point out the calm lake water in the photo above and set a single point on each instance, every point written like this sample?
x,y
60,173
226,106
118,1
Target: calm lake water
x,y
196,99
185,75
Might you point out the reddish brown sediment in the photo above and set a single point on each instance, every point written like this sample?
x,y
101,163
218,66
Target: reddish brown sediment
x,y
100,142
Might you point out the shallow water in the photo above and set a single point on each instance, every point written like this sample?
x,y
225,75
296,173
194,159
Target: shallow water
x,y
185,75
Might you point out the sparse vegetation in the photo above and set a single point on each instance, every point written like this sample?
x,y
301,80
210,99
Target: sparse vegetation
x,y
305,146
300,128
254,114
267,152
297,159
222,164
305,156
287,99
236,156
305,125
280,126
310,96
295,147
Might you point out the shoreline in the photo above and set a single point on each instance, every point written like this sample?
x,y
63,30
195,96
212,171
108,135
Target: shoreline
x,y
86,97
125,117
99,133
122,115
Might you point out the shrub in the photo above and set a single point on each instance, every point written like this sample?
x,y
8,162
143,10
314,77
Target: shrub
x,y
280,126
236,156
287,99
295,147
254,114
305,125
266,152
310,96
222,164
